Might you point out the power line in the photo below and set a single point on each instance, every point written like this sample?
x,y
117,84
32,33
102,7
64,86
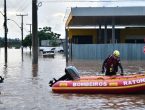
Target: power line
x,y
20,5
26,6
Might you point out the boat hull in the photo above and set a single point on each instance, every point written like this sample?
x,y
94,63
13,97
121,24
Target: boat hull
x,y
103,84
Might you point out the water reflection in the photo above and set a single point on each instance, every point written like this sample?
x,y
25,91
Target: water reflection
x,y
100,101
5,72
91,67
26,86
34,70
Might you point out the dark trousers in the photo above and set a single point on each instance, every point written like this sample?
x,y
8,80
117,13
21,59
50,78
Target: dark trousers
x,y
110,73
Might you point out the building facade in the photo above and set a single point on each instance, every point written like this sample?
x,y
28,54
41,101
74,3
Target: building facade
x,y
95,25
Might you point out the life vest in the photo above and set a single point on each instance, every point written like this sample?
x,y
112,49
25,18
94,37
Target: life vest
x,y
111,64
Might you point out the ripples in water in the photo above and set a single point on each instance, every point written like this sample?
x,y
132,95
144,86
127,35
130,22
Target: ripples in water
x,y
26,87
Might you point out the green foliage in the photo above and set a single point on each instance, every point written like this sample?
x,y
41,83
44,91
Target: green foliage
x,y
10,42
27,41
44,33
2,42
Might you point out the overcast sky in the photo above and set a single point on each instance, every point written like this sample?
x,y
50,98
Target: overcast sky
x,y
53,14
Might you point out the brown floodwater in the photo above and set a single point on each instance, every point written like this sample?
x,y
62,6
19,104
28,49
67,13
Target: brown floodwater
x,y
26,87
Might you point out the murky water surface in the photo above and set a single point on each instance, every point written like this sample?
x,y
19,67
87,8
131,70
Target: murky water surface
x,y
26,87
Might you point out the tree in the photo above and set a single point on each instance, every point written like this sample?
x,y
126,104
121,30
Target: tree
x,y
27,42
44,33
11,42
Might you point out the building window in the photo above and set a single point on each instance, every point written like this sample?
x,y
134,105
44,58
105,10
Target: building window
x,y
82,39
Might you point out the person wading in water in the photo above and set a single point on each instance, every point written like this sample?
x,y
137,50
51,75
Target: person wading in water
x,y
111,64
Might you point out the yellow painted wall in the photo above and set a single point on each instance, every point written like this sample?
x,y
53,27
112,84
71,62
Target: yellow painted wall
x,y
91,32
131,31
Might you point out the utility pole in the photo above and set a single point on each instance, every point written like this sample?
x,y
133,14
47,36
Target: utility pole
x,y
22,15
6,30
34,33
30,34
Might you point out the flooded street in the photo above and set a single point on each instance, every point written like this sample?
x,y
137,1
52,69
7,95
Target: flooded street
x,y
26,87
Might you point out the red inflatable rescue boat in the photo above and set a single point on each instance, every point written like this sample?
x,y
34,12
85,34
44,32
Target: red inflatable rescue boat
x,y
127,84
102,84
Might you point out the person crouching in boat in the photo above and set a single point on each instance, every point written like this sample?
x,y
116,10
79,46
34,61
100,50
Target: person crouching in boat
x,y
71,73
111,63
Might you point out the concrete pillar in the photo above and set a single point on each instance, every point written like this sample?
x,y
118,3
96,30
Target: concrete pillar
x,y
113,31
105,34
99,37
66,46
